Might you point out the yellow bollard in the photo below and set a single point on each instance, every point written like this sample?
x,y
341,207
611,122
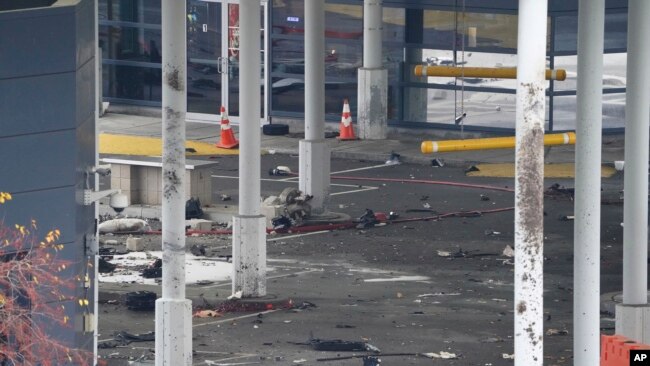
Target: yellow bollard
x,y
481,72
430,147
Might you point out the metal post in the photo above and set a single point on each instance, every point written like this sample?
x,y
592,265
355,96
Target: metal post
x,y
633,314
173,311
314,151
529,201
373,78
249,227
586,269
372,29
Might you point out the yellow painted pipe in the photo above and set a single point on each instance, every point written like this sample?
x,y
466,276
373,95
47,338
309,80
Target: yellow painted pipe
x,y
430,147
481,72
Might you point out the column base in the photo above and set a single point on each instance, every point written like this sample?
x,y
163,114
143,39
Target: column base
x,y
633,322
314,170
173,332
372,113
249,255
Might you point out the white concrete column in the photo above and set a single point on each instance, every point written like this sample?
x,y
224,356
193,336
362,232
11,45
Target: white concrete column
x,y
372,33
586,269
372,98
249,240
314,152
173,311
529,184
632,315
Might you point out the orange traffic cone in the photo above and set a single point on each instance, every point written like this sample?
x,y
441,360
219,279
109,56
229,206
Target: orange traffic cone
x,y
228,140
346,129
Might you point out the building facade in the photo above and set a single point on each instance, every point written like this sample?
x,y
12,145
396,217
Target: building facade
x,y
434,32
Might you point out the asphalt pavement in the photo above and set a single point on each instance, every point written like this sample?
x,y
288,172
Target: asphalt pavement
x,y
438,286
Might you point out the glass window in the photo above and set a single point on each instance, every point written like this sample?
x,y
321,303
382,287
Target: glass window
x,y
566,32
343,58
288,94
614,71
438,29
344,21
444,106
131,82
288,56
130,43
483,30
288,17
564,112
614,110
394,24
139,11
615,31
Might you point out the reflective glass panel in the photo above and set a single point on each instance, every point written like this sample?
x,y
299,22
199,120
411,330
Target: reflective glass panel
x,y
139,11
131,82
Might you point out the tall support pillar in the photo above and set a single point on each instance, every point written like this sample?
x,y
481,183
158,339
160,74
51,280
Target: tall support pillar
x,y
633,316
586,269
529,200
372,101
173,311
314,152
249,227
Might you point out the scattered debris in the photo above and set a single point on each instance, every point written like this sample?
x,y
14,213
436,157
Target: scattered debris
x,y
331,134
207,314
506,356
280,171
437,163
556,332
367,220
337,345
193,209
134,244
393,215
371,361
485,197
198,250
443,253
141,300
394,159
567,217
345,326
440,294
154,270
302,360
472,168
105,266
125,338
508,251
560,191
123,226
304,305
442,354
492,340
190,150
236,295
491,232
225,197
281,223
198,224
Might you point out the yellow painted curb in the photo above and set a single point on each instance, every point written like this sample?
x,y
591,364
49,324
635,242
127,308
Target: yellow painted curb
x,y
152,146
563,170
